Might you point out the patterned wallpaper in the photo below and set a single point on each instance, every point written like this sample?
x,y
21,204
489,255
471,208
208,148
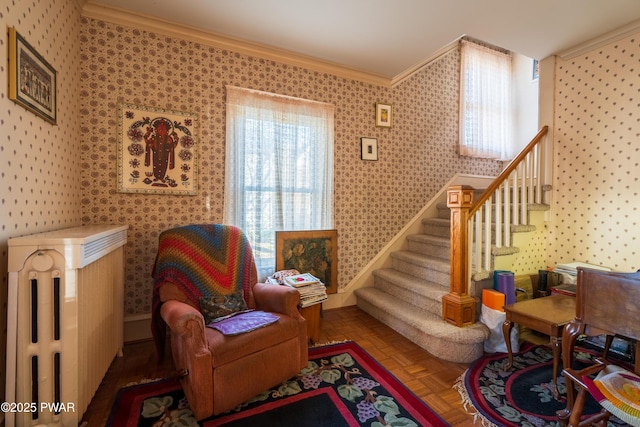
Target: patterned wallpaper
x,y
60,176
39,163
531,255
373,200
596,196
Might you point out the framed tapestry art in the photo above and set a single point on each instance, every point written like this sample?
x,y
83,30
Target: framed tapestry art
x,y
157,150
311,251
32,81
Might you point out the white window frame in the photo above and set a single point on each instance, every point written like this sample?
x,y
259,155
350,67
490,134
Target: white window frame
x,y
486,114
279,160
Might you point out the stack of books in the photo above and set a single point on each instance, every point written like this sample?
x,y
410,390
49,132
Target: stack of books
x,y
312,290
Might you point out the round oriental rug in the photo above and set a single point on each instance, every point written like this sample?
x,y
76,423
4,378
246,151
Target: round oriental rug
x,y
521,396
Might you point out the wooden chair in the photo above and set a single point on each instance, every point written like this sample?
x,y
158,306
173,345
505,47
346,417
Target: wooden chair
x,y
607,303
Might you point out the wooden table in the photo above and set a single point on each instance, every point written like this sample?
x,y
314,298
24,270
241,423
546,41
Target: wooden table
x,y
547,315
312,316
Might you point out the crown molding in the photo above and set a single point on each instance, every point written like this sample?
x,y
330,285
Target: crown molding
x,y
416,68
597,42
139,21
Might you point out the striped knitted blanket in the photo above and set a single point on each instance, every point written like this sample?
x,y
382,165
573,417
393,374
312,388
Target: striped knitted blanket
x,y
202,261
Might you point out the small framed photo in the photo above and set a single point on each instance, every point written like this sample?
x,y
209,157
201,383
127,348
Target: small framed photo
x,y
536,70
369,148
383,115
32,81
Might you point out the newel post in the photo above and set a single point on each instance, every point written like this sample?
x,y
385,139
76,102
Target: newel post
x,y
458,307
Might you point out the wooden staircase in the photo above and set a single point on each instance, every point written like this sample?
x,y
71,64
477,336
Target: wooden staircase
x,y
428,298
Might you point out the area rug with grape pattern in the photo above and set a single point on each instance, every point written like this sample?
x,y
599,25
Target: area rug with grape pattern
x,y
341,386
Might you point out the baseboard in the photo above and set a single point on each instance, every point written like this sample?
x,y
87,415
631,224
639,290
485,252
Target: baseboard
x,y
137,327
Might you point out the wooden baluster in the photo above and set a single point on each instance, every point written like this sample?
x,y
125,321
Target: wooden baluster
x,y
506,222
498,207
488,234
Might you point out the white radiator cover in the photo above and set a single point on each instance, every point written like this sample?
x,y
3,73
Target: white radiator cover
x,y
64,320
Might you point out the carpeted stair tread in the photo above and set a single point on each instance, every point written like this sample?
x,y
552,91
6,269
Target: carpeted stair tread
x,y
481,275
430,245
422,266
410,282
538,207
430,239
504,250
444,340
442,222
443,211
437,226
421,260
523,228
421,293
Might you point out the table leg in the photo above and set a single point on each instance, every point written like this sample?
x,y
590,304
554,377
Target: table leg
x,y
506,331
557,350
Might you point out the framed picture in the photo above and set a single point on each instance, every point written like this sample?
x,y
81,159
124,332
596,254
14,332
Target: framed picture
x,y
157,150
383,115
369,148
32,81
311,251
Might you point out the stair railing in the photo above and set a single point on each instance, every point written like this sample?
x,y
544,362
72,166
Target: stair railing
x,y
482,228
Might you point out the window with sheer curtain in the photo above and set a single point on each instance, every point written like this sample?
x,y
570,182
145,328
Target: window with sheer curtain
x,y
279,168
485,103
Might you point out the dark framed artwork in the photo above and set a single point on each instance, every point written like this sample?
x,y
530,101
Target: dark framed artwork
x,y
309,251
157,150
32,81
369,148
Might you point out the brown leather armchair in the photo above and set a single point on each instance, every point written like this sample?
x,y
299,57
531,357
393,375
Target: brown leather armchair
x,y
222,371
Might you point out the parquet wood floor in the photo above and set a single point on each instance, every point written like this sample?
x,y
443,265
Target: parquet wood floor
x,y
428,377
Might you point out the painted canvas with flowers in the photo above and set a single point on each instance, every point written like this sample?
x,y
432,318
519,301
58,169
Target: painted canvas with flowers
x,y
157,150
309,251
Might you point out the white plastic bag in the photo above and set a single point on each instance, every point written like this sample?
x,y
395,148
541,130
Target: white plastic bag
x,y
494,320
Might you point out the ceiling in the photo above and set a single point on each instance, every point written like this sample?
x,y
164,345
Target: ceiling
x,y
388,37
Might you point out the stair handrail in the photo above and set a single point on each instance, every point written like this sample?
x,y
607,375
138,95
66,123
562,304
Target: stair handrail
x,y
513,164
458,306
